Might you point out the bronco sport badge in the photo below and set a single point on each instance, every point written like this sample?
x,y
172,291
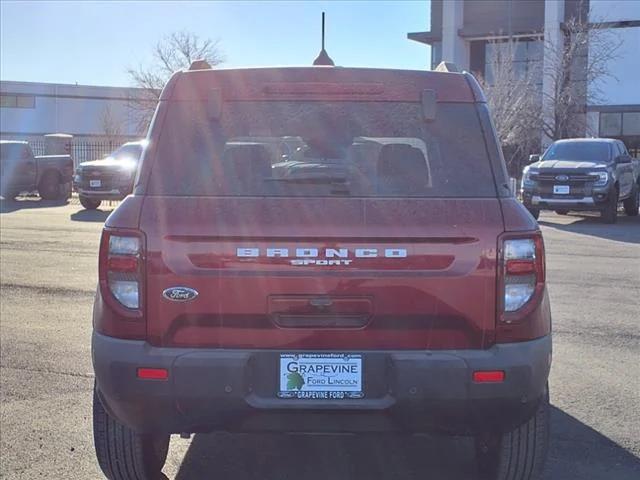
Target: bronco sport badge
x,y
317,256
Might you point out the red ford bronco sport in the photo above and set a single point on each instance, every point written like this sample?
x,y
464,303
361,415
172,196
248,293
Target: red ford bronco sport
x,y
321,249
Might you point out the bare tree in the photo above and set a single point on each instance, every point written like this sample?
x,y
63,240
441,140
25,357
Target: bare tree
x,y
174,52
111,126
574,70
514,98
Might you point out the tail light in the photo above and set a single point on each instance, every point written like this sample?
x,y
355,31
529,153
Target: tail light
x,y
521,279
121,276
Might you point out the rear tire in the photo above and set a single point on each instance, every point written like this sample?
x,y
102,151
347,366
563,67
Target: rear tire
x,y
124,454
49,187
535,212
562,212
632,203
609,213
519,454
89,203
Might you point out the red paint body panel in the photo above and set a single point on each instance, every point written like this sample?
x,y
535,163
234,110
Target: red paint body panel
x,y
516,216
442,295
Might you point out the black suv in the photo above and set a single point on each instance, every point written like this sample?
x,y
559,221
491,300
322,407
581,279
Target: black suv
x,y
582,174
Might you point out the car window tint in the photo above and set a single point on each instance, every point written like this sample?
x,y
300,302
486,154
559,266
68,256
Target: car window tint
x,y
369,149
13,151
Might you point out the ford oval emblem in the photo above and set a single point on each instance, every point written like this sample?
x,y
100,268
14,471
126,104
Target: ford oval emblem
x,y
180,294
562,178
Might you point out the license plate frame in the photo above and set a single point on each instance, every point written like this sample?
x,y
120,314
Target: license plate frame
x,y
561,189
320,376
95,183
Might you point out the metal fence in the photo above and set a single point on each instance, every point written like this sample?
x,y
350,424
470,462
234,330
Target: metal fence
x,y
81,151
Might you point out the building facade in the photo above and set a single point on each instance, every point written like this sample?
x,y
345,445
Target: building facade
x,y
466,31
30,110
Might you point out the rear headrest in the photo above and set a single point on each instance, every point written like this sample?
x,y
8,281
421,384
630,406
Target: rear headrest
x,y
246,167
402,168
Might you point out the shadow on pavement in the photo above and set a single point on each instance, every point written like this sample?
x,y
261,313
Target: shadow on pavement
x,y
23,203
90,215
577,453
627,229
323,457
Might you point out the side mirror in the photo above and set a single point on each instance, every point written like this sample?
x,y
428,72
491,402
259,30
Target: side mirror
x,y
623,159
534,158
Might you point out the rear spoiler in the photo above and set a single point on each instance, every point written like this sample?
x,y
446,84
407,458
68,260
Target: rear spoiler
x,y
450,67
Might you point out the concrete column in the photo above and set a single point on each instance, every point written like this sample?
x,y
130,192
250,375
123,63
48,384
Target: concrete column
x,y
553,40
454,48
593,124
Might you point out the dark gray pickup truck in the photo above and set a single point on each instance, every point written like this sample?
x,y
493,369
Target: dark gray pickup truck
x,y
583,174
22,171
110,178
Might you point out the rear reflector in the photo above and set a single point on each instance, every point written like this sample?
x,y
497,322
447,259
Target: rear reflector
x,y
519,267
489,376
123,263
153,373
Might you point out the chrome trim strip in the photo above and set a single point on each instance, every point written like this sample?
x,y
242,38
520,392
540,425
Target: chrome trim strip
x,y
536,200
115,191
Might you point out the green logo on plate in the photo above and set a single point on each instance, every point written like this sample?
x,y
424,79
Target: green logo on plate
x,y
294,380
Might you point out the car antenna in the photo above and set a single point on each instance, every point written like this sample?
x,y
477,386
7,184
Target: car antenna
x,y
323,57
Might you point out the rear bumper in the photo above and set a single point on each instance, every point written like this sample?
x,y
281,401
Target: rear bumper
x,y
235,390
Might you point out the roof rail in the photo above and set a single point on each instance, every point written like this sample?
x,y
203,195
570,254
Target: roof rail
x,y
447,67
200,64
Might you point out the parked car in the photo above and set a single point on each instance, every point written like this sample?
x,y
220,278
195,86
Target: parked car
x,y
583,174
386,279
22,171
110,178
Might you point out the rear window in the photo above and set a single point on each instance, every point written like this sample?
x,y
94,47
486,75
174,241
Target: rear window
x,y
288,148
578,151
13,151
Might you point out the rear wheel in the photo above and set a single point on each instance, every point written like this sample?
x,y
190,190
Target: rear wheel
x,y
124,454
519,454
632,203
562,212
535,212
89,203
609,213
49,187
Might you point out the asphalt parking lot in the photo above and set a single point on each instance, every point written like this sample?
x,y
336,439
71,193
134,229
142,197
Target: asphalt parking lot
x,y
48,270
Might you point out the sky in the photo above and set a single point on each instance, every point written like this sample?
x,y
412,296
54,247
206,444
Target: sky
x,y
94,42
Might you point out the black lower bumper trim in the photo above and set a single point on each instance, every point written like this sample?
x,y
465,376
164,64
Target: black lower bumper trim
x,y
236,390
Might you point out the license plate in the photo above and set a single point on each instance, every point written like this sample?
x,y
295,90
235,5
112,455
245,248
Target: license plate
x,y
324,376
95,183
561,189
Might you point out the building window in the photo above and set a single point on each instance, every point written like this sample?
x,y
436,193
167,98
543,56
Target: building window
x,y
524,54
610,124
631,123
17,101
